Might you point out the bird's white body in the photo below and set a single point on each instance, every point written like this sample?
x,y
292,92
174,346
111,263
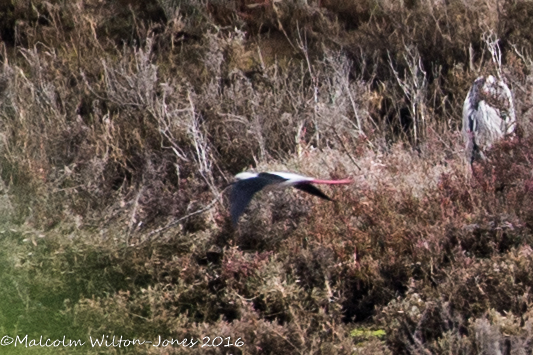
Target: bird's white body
x,y
488,115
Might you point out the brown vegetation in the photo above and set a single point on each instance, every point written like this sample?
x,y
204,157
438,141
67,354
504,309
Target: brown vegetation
x,y
123,122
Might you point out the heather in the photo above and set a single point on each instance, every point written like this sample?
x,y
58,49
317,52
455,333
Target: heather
x,y
122,124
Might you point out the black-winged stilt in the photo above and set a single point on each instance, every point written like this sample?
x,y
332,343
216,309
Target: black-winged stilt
x,y
248,184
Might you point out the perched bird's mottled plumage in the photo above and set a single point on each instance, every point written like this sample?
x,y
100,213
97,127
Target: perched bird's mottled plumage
x,y
488,115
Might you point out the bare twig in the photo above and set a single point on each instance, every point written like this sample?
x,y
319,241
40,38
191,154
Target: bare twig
x,y
173,223
287,340
345,149
302,45
342,69
414,86
133,214
493,47
201,147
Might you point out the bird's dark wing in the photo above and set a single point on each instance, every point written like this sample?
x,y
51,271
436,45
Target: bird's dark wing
x,y
242,193
310,189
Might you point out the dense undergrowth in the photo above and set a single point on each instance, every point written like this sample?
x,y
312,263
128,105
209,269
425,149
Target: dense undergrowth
x,y
123,122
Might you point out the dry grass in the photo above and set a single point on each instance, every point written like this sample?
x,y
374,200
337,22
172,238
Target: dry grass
x,y
123,122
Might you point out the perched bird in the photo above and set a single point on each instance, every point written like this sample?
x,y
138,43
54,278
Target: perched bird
x,y
248,184
488,115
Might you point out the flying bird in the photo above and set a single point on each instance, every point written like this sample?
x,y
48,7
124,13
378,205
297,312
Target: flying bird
x,y
248,184
488,115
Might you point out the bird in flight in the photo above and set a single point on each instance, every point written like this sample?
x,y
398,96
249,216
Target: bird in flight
x,y
248,184
488,115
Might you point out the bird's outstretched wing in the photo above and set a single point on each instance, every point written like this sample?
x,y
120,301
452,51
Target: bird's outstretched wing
x,y
242,193
310,189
